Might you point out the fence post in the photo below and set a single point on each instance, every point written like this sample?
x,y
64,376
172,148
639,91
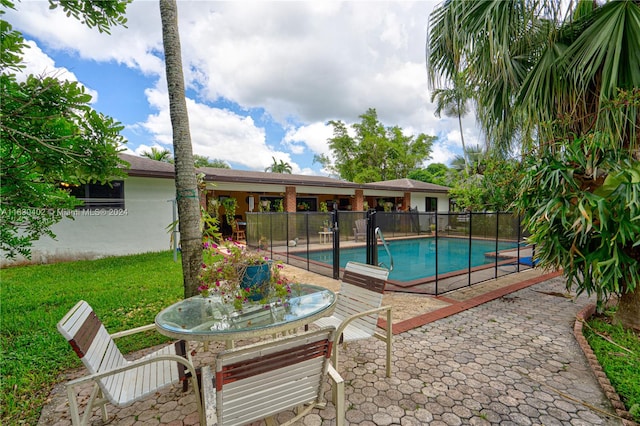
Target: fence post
x,y
470,242
369,216
495,272
336,243
436,237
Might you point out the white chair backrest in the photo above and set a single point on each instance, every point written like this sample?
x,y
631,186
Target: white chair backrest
x,y
96,348
90,339
256,382
361,226
361,289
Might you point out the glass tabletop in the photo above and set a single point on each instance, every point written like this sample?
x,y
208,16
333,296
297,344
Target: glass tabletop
x,y
209,318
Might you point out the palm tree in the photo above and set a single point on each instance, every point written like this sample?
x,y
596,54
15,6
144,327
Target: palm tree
x,y
157,154
560,82
279,167
186,182
454,103
471,161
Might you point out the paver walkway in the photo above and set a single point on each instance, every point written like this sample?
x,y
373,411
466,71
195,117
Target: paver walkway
x,y
510,361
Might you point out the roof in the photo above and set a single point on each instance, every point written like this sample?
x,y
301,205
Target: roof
x,y
409,185
146,167
244,176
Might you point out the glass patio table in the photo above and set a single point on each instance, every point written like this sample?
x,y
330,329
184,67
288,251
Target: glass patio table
x,y
206,319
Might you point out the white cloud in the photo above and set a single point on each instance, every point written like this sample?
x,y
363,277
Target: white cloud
x,y
215,133
301,62
133,46
36,62
441,153
313,136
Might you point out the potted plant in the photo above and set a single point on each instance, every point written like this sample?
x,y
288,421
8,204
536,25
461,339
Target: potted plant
x,y
241,276
230,204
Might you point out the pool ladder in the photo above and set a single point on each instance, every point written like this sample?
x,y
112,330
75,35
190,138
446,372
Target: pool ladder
x,y
378,233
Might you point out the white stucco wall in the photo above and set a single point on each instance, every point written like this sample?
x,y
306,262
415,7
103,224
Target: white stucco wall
x,y
417,199
139,228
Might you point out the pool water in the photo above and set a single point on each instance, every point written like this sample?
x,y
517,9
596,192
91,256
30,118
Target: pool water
x,y
415,259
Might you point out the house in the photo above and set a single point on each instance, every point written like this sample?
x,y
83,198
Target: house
x,y
133,215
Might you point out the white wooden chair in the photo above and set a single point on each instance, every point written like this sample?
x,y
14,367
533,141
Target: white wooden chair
x,y
115,379
258,381
360,229
358,307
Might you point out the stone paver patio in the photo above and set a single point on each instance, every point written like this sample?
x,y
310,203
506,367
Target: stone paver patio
x,y
512,360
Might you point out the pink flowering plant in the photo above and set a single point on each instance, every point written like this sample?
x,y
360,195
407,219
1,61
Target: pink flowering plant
x,y
224,267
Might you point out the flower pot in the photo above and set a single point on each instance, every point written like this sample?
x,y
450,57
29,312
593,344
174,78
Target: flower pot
x,y
254,278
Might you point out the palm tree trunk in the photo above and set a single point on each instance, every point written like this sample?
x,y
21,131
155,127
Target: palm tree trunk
x,y
186,183
464,149
628,313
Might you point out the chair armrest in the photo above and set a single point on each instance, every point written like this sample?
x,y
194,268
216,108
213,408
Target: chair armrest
x,y
338,394
335,377
147,327
135,364
209,397
346,322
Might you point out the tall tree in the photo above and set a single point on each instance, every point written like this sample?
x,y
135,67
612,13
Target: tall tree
x,y
453,102
437,173
376,152
279,167
51,137
157,154
186,182
202,161
563,86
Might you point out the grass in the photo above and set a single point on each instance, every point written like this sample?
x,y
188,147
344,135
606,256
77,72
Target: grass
x,y
618,351
125,292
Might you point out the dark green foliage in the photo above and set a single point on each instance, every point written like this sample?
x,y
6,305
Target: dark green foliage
x,y
493,186
581,204
436,173
100,14
376,153
50,136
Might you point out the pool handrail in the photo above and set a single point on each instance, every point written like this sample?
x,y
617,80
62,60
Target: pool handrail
x,y
378,232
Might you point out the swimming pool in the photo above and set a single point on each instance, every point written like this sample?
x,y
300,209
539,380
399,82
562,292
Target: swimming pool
x,y
415,258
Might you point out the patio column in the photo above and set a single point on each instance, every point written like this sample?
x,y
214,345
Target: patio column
x,y
290,199
358,203
406,203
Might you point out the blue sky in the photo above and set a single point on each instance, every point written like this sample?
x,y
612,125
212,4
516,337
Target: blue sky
x,y
263,78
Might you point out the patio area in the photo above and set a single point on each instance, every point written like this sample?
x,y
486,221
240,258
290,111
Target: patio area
x,y
500,352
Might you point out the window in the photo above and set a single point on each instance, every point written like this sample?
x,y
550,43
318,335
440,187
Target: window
x,y
306,204
96,196
430,204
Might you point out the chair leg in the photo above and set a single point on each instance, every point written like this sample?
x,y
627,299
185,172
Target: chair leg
x,y
389,342
337,390
334,363
96,397
103,408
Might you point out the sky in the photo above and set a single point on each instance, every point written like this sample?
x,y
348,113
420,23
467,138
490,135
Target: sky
x,y
263,78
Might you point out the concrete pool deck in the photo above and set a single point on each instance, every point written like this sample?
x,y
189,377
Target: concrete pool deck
x,y
497,353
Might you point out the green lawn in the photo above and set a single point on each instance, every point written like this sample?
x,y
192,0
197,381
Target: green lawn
x,y
125,292
618,351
